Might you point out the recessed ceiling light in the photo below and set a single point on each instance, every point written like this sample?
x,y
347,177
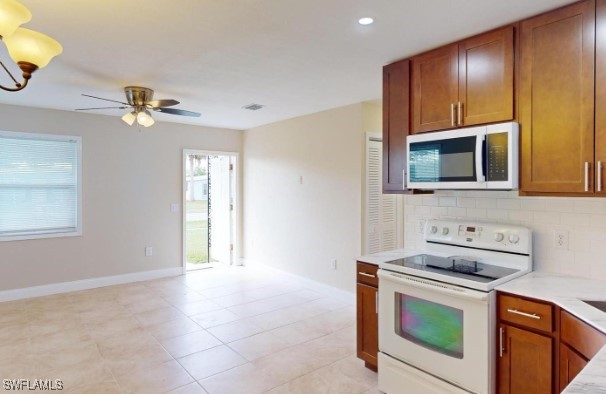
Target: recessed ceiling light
x,y
366,21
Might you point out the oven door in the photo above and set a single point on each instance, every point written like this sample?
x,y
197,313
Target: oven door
x,y
446,160
441,329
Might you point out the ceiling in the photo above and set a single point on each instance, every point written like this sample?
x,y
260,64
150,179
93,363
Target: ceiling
x,y
216,56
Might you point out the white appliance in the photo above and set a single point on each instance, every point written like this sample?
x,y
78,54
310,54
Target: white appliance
x,y
437,307
483,157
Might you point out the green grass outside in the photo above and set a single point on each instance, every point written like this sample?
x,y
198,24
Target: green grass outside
x,y
197,242
197,206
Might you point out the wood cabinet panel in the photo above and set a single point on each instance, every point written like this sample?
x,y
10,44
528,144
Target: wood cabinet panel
x,y
367,274
435,77
571,364
557,99
396,124
486,77
367,325
526,313
586,340
600,96
526,363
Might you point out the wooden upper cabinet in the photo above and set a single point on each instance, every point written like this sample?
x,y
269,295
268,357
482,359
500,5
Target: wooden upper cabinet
x,y
465,84
396,124
600,97
557,100
486,78
435,77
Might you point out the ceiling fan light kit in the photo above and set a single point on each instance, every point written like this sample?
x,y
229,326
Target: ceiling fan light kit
x,y
140,101
29,49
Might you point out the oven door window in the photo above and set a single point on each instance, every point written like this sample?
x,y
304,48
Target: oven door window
x,y
450,160
434,326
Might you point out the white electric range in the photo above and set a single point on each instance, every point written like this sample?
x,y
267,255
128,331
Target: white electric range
x,y
437,323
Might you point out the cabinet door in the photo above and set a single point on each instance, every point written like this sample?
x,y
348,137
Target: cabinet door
x,y
556,100
571,364
368,324
486,78
600,97
396,124
525,362
435,77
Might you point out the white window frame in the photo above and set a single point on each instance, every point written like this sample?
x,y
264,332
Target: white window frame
x,y
53,137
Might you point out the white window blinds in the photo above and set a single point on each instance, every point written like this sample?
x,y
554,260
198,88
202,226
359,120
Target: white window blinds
x,y
39,185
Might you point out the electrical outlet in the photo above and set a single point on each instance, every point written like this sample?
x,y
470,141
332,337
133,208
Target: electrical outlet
x,y
420,226
560,239
148,251
174,207
333,264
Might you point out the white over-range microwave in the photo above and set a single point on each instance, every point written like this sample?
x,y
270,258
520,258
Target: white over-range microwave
x,y
484,157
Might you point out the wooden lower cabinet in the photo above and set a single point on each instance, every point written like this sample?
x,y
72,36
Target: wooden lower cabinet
x,y
526,362
541,348
571,363
368,324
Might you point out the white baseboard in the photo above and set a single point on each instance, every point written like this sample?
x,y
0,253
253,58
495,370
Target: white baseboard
x,y
312,284
85,284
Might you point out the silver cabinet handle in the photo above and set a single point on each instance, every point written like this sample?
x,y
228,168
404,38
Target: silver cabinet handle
x,y
366,275
501,348
599,176
586,176
377,302
459,113
404,179
452,115
530,315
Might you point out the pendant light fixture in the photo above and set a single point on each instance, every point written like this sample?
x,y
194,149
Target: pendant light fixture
x,y
29,49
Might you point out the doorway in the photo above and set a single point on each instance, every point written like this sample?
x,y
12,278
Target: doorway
x,y
209,201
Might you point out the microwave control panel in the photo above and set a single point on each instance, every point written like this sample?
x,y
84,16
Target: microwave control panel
x,y
497,162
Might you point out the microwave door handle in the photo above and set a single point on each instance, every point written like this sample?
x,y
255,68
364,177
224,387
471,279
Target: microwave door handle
x,y
480,148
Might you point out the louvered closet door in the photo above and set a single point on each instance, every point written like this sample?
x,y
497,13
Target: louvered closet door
x,y
381,209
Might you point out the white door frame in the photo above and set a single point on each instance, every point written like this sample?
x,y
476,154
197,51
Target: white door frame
x,y
236,155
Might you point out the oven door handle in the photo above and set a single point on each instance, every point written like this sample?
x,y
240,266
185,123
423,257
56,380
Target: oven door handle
x,y
429,284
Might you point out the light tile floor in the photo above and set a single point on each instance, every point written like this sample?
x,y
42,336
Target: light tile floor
x,y
221,330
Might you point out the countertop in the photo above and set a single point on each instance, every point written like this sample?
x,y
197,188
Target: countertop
x,y
567,292
381,257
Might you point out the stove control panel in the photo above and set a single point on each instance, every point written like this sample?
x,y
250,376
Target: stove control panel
x,y
509,238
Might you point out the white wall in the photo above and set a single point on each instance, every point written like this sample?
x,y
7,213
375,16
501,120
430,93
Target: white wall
x,y
583,218
130,178
297,227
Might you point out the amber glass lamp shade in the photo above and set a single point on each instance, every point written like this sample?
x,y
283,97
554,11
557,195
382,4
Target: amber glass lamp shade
x,y
12,15
29,46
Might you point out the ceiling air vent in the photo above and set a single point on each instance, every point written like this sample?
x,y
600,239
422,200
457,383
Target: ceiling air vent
x,y
253,107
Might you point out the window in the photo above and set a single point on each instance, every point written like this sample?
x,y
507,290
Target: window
x,y
40,191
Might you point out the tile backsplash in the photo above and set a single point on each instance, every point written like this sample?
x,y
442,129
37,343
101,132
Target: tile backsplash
x,y
583,219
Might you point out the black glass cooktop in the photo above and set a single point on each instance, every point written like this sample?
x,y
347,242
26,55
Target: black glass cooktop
x,y
455,266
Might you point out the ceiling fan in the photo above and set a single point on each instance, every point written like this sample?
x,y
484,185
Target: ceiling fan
x,y
141,101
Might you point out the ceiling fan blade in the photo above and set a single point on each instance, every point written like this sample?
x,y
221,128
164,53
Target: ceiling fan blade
x,y
88,109
100,98
162,103
175,111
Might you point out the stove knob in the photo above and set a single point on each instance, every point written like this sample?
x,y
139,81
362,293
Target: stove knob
x,y
434,229
445,231
498,237
514,238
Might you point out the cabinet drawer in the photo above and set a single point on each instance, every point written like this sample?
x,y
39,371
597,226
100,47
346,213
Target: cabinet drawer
x,y
580,336
527,313
367,274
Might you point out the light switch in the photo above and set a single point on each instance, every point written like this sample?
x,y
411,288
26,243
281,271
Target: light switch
x,y
174,207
